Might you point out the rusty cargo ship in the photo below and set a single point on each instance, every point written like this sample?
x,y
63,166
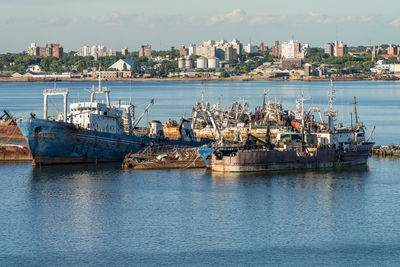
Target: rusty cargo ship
x,y
92,131
247,160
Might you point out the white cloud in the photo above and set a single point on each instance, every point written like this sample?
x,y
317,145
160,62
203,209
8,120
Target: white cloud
x,y
395,23
235,16
113,19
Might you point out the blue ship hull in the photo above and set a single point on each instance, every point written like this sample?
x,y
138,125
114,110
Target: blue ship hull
x,y
55,142
206,154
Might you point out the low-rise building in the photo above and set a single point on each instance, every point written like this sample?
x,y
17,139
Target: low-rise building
x,y
123,65
108,75
381,67
291,63
34,68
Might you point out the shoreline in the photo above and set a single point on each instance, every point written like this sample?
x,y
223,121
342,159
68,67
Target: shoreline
x,y
235,78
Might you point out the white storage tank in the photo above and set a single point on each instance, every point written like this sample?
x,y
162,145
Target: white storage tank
x,y
213,63
181,62
202,63
189,63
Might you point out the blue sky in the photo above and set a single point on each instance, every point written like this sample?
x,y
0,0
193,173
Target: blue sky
x,y
129,23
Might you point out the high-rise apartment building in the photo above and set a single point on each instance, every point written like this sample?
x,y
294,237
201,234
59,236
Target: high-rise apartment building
x,y
339,49
249,48
124,52
291,49
33,50
276,50
207,51
182,51
231,53
192,49
145,51
95,51
262,47
56,50
329,48
393,50
50,50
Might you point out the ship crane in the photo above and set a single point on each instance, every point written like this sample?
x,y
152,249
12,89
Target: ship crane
x,y
207,115
144,112
315,109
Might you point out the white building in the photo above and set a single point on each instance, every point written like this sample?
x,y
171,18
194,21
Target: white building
x,y
192,49
250,48
32,50
290,49
209,43
381,67
93,51
34,68
122,64
395,68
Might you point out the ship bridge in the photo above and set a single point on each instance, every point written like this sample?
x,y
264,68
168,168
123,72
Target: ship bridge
x,y
96,116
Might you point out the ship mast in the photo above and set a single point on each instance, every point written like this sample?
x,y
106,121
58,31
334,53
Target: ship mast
x,y
355,111
302,120
100,90
263,106
331,114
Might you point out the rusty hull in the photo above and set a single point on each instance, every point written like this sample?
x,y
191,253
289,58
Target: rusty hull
x,y
14,152
170,164
274,160
10,133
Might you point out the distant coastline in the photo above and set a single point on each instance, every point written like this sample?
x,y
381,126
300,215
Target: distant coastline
x,y
234,78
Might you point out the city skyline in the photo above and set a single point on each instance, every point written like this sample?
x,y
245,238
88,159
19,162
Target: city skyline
x,y
163,25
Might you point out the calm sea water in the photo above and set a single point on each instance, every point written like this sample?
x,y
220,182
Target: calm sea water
x,y
102,215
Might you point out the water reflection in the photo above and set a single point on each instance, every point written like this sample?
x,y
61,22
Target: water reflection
x,y
309,202
76,201
300,178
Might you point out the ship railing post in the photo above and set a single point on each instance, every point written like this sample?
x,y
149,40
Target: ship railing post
x,y
65,106
45,107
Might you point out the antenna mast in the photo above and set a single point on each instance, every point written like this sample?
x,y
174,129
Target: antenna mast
x,y
332,113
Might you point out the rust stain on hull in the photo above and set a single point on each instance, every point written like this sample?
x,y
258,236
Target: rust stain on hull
x,y
13,152
273,160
